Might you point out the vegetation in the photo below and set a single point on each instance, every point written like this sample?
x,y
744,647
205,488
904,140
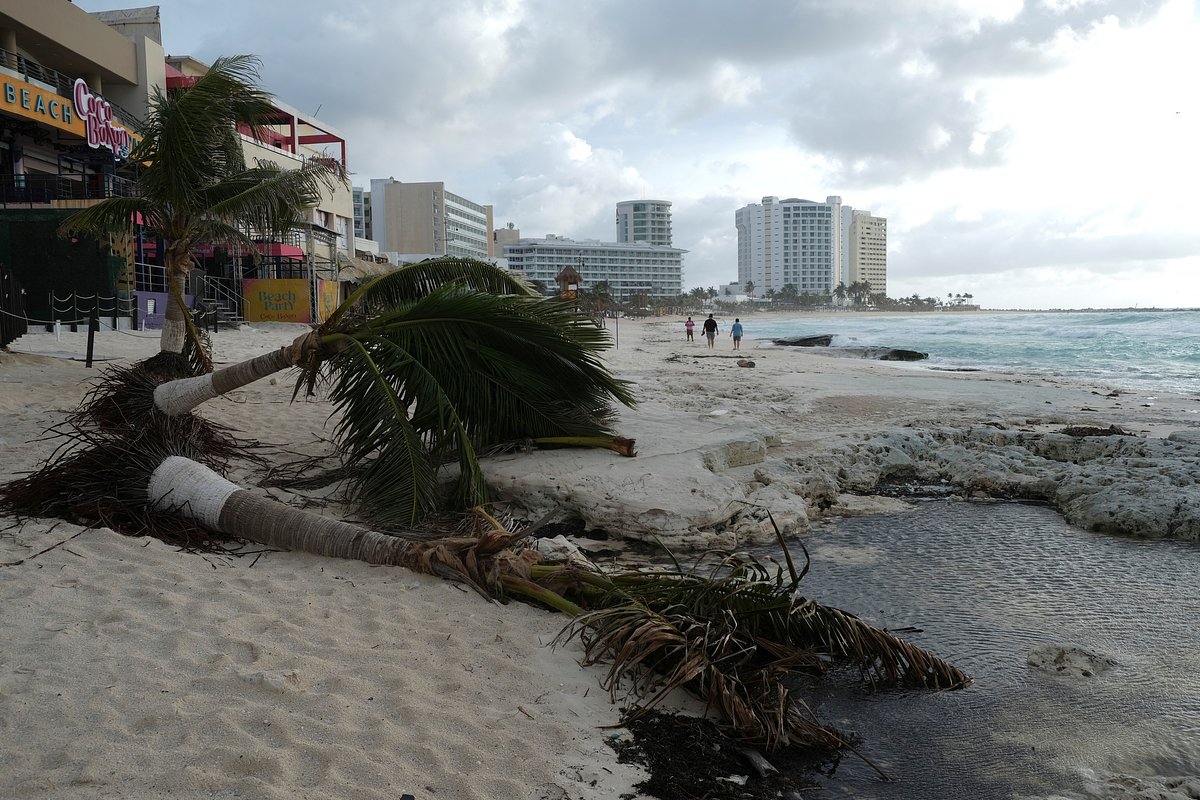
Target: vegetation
x,y
858,295
731,630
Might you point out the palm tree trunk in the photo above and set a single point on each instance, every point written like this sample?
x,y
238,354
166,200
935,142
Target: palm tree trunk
x,y
174,328
181,396
192,490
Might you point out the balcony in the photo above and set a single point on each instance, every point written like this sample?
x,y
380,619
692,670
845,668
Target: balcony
x,y
31,190
33,72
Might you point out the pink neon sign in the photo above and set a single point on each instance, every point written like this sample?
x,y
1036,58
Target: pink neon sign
x,y
96,113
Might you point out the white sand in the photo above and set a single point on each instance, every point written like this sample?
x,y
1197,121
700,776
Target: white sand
x,y
131,670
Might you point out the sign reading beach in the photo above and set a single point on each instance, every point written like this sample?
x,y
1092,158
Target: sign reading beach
x,y
90,116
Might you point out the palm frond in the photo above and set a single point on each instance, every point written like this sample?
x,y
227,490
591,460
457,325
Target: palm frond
x,y
111,217
730,629
270,198
395,481
97,473
190,139
658,653
454,371
411,281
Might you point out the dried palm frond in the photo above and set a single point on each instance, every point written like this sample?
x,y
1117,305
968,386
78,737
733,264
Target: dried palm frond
x,y
105,448
96,478
123,396
731,633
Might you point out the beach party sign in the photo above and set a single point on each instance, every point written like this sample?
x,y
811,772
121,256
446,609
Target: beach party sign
x,y
276,300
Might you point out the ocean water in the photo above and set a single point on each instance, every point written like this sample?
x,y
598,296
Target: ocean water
x,y
986,583
1144,351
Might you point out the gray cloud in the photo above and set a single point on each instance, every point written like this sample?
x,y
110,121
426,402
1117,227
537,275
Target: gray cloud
x,y
488,95
1000,243
881,122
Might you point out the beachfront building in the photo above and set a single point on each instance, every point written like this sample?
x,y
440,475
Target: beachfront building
x,y
634,272
72,89
868,251
645,222
509,234
362,212
798,242
415,220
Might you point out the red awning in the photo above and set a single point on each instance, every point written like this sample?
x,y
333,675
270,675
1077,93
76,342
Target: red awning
x,y
276,249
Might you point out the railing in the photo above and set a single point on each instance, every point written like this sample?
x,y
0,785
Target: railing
x,y
220,292
63,84
44,189
150,277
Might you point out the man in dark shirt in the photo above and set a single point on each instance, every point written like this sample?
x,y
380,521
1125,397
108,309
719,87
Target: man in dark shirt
x,y
710,330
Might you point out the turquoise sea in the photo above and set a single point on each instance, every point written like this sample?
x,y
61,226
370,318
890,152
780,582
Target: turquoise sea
x,y
1144,351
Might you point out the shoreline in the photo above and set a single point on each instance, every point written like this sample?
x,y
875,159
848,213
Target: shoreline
x,y
294,676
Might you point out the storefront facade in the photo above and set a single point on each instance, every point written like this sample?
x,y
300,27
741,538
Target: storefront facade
x,y
73,86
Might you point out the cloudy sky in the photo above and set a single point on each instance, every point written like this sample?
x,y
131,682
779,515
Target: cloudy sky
x,y
1036,154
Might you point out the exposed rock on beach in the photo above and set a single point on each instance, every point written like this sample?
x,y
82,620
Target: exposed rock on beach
x,y
807,437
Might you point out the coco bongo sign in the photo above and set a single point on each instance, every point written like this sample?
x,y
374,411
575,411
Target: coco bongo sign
x,y
96,113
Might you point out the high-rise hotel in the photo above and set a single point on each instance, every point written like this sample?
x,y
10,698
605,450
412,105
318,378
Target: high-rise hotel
x,y
645,221
812,246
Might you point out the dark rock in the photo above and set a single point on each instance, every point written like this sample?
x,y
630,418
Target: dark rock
x,y
898,354
806,341
1092,430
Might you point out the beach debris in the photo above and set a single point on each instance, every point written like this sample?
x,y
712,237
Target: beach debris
x,y
730,629
745,362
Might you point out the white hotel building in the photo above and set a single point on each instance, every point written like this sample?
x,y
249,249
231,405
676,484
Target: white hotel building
x,y
630,270
799,242
647,221
868,251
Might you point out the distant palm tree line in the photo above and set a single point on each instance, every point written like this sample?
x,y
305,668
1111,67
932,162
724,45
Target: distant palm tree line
x,y
599,298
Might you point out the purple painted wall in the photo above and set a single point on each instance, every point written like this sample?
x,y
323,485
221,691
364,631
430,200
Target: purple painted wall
x,y
151,307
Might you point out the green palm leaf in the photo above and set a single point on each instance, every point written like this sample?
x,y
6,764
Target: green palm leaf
x,y
411,281
438,377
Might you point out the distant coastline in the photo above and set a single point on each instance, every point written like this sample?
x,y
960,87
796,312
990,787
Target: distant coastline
x,y
798,312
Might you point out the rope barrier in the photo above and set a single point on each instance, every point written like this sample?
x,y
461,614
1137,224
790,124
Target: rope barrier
x,y
44,322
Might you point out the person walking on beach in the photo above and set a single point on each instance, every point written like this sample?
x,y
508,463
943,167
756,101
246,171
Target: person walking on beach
x,y
689,325
710,330
735,330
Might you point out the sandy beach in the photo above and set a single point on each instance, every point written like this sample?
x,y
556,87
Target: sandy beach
x,y
132,670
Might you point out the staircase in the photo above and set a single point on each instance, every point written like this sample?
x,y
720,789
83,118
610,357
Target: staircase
x,y
217,302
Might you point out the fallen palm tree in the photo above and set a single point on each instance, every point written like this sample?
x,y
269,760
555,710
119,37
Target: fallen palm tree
x,y
732,635
425,367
